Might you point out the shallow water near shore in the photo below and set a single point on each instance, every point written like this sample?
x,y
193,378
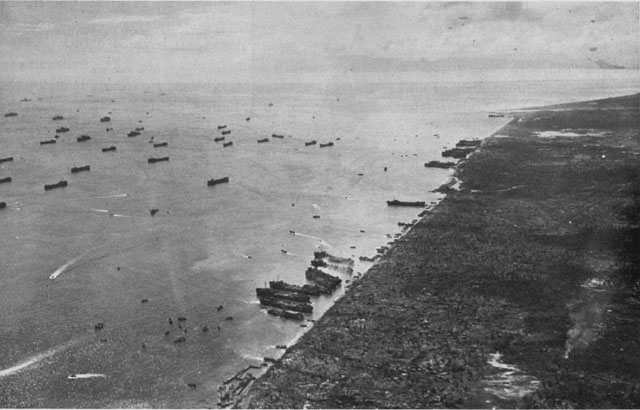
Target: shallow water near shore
x,y
207,246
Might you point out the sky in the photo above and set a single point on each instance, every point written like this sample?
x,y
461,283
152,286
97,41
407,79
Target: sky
x,y
242,41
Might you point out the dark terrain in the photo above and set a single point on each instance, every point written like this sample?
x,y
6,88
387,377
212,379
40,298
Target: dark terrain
x,y
535,257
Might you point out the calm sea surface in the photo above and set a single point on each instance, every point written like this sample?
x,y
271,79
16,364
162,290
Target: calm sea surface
x,y
207,246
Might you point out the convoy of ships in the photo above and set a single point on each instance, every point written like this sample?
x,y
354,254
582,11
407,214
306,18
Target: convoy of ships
x,y
281,299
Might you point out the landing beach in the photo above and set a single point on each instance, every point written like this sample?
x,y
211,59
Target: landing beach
x,y
519,289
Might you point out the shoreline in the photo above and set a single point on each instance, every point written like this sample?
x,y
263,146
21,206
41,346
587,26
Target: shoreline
x,y
243,378
418,329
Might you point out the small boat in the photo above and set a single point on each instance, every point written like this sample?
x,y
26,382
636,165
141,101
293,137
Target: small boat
x,y
58,118
494,115
395,202
221,127
59,184
133,134
314,142
263,140
5,180
277,136
75,170
227,144
152,160
47,142
153,212
62,129
248,119
213,182
7,159
11,114
161,144
111,148
226,132
83,138
328,144
105,119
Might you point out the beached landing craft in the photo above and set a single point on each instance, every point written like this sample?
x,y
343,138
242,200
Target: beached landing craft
x,y
311,290
111,148
11,114
439,164
105,119
83,138
133,134
59,184
58,118
226,132
277,136
161,144
5,180
47,142
75,170
395,202
3,205
468,143
227,144
286,304
458,152
263,140
7,159
213,182
221,127
152,160
282,294
218,139
313,142
328,144
286,314
62,129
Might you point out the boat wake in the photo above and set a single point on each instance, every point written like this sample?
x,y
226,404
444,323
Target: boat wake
x,y
86,376
110,196
37,358
62,268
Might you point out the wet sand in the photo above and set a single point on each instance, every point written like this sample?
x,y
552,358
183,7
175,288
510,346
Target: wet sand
x,y
520,289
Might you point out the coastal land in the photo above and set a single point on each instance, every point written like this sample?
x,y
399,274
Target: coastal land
x,y
520,289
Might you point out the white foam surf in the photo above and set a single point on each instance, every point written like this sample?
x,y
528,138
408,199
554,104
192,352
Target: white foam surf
x,y
110,196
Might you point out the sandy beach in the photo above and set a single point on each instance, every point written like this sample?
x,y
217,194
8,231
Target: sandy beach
x,y
520,289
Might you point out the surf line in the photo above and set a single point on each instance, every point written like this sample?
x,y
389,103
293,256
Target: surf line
x,y
35,359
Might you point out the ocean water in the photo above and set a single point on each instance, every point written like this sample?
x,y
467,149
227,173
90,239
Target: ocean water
x,y
207,246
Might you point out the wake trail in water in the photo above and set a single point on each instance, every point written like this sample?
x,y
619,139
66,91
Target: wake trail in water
x,y
37,358
63,268
110,196
86,376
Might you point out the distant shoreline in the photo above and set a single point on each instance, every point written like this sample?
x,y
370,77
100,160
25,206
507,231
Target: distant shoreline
x,y
522,261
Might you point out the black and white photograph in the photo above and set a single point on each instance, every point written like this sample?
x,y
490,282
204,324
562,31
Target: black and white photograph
x,y
305,204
